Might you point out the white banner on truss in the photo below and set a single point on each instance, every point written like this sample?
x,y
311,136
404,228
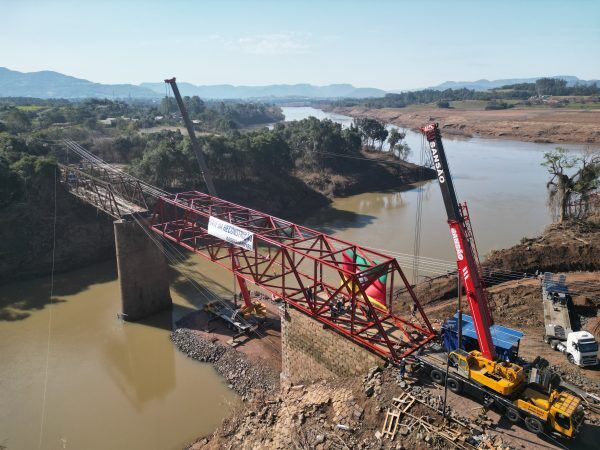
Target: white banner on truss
x,y
231,233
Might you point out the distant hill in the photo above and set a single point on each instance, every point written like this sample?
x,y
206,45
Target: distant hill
x,y
227,91
483,85
48,84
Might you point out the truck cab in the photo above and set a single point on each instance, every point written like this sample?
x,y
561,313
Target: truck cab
x,y
566,414
580,348
561,411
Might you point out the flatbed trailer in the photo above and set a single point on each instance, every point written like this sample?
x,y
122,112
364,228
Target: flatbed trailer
x,y
432,363
232,318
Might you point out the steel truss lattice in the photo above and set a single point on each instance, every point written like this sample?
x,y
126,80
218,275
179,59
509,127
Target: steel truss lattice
x,y
304,268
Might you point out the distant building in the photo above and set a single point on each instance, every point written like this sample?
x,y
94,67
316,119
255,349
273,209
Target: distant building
x,y
108,122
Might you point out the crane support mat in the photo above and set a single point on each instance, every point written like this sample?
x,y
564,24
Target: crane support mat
x,y
506,340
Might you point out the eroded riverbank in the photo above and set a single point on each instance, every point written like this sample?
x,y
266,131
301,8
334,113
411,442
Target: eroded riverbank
x,y
560,126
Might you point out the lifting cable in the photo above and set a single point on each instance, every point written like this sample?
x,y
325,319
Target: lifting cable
x,y
418,216
177,258
50,308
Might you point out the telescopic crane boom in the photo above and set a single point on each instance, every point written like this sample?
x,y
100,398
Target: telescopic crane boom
x,y
209,182
190,129
467,260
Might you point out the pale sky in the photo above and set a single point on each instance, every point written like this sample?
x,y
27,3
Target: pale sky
x,y
385,44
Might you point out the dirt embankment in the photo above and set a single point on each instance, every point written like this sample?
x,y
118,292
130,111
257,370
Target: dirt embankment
x,y
377,171
349,413
293,196
562,247
570,247
83,236
535,125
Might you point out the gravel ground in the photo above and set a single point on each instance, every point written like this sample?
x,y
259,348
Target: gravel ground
x,y
241,375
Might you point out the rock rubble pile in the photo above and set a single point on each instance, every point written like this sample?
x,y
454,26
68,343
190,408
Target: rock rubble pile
x,y
242,376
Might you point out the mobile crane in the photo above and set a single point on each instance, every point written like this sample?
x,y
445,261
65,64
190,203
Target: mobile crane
x,y
529,395
234,318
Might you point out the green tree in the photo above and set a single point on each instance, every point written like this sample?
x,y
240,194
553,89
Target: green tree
x,y
194,105
371,130
37,174
397,147
17,121
571,176
168,105
550,86
10,183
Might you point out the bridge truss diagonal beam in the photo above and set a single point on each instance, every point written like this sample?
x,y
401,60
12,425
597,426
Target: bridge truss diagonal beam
x,y
303,267
113,192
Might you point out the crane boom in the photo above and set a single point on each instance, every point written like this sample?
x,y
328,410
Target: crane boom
x,y
207,179
464,244
190,129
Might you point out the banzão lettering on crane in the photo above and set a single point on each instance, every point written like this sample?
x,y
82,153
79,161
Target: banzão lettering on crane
x,y
436,162
231,233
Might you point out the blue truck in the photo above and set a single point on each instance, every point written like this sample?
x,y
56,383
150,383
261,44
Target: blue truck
x,y
506,340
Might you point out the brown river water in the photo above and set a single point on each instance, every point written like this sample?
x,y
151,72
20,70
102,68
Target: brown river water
x,y
115,385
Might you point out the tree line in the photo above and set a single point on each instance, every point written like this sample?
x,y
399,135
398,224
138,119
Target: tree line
x,y
18,115
522,91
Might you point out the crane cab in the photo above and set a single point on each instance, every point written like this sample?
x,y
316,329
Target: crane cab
x,y
562,411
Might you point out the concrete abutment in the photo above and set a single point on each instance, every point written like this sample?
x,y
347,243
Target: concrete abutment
x,y
143,274
311,352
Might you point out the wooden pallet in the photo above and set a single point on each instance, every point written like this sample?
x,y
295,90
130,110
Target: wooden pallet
x,y
393,416
404,402
390,425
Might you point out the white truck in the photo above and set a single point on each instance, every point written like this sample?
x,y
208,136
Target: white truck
x,y
580,347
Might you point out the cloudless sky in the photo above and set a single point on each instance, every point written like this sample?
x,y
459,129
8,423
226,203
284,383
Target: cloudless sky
x,y
385,44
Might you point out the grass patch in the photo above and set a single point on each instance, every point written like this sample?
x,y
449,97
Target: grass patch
x,y
30,107
469,104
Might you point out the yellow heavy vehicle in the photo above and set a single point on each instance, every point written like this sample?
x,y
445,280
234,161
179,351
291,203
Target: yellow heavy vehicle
x,y
521,394
532,399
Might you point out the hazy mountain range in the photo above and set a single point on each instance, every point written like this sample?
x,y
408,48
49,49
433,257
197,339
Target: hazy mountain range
x,y
482,85
227,91
49,84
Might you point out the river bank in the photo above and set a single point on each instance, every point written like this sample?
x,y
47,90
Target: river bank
x,y
557,125
84,236
350,412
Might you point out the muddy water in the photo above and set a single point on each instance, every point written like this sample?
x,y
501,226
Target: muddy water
x,y
501,180
111,385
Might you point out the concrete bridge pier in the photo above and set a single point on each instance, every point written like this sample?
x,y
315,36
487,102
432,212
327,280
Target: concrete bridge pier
x,y
143,276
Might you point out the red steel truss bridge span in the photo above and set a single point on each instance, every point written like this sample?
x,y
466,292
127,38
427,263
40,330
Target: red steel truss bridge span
x,y
348,288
